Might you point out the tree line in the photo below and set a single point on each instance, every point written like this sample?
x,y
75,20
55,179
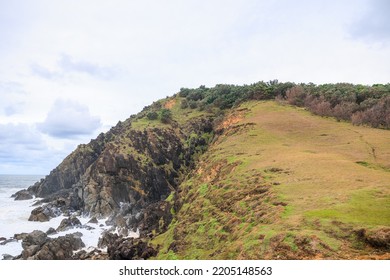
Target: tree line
x,y
359,104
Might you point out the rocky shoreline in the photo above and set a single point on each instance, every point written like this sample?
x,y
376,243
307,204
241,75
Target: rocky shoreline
x,y
128,177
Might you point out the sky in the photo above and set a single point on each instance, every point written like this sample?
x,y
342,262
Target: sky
x,y
72,69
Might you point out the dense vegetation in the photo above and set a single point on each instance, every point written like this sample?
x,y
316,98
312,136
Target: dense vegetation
x,y
362,105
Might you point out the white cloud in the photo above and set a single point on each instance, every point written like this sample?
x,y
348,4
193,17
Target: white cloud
x,y
69,119
23,150
118,56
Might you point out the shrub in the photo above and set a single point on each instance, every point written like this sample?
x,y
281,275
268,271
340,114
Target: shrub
x,y
152,115
165,115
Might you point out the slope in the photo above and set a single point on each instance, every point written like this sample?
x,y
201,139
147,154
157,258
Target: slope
x,y
279,182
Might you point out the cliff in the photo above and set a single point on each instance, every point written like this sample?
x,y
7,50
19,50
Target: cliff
x,y
207,174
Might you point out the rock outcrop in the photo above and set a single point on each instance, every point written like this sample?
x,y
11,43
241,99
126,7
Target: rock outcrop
x,y
38,246
125,174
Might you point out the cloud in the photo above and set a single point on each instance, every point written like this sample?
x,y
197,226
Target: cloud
x,y
22,150
12,98
374,24
67,65
69,119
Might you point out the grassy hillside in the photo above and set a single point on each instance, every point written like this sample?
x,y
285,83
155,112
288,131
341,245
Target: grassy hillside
x,y
279,182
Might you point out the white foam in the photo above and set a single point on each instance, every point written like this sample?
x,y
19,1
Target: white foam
x,y
14,219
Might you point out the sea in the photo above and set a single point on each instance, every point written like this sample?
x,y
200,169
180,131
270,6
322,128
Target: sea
x,y
14,217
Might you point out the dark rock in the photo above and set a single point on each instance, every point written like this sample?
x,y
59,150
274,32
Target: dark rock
x,y
20,236
95,254
60,248
8,241
68,223
51,231
43,213
107,239
2,239
22,195
156,217
94,220
37,237
7,257
130,249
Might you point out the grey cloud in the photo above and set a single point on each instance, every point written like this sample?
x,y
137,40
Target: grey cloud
x,y
67,65
44,72
374,25
23,150
69,119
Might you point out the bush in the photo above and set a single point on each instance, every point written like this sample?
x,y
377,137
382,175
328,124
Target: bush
x,y
152,115
184,104
165,115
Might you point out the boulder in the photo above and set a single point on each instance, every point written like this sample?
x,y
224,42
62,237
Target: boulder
x,y
130,249
7,257
107,239
51,231
68,223
37,237
22,195
43,213
60,248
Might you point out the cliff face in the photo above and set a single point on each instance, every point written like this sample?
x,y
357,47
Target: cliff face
x,y
127,172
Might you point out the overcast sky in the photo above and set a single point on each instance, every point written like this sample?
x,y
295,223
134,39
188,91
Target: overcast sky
x,y
72,69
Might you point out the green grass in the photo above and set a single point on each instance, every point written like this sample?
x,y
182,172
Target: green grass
x,y
225,213
365,207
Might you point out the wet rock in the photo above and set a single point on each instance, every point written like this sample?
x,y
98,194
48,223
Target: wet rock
x,y
130,249
51,231
60,248
95,254
43,214
107,239
94,220
22,195
68,223
20,236
7,257
37,237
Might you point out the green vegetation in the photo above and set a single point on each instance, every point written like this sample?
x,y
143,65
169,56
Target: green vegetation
x,y
280,183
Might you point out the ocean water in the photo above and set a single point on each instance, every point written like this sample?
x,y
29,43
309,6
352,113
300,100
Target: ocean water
x,y
14,217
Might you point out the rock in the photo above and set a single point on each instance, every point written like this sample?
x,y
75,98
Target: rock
x,y
94,220
37,237
95,254
51,231
2,239
43,213
7,257
8,241
107,239
20,236
60,248
156,217
22,195
68,223
130,249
